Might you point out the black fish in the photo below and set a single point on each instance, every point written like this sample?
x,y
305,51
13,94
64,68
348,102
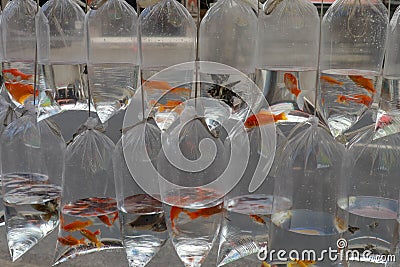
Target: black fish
x,y
353,229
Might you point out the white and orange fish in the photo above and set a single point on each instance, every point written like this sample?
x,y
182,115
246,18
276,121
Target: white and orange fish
x,y
292,84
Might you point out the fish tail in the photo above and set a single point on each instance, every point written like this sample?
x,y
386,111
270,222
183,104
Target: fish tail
x,y
296,92
99,244
282,116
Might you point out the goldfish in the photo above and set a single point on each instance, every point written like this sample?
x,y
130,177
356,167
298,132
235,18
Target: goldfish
x,y
20,91
77,225
265,264
17,74
174,214
291,84
257,218
330,80
106,220
301,263
363,82
171,104
71,241
160,85
384,120
92,236
340,223
206,212
361,99
180,90
263,118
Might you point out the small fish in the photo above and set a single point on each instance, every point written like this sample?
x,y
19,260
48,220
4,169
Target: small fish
x,y
206,212
384,120
268,9
353,229
92,237
18,74
340,223
20,91
265,264
373,225
330,80
77,225
363,82
292,84
301,263
262,118
159,85
257,218
171,104
106,220
174,214
180,91
360,99
71,241
148,222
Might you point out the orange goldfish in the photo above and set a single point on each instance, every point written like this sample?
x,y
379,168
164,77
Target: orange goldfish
x,y
263,118
330,80
92,236
174,214
384,120
106,220
257,218
180,90
292,84
160,85
301,263
20,91
71,241
18,75
206,212
361,99
171,104
77,225
363,82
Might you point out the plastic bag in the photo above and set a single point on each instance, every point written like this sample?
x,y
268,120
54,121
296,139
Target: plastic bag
x,y
89,215
113,59
166,26
388,119
19,20
287,53
32,168
239,239
307,178
143,227
63,85
353,42
371,173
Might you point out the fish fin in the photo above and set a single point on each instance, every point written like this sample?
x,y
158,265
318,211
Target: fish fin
x,y
97,232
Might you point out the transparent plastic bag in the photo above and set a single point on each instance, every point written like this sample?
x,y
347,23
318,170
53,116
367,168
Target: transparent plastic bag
x,y
113,59
245,226
19,20
143,227
307,179
287,53
187,167
372,175
89,216
63,85
388,119
235,47
166,26
353,42
32,168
